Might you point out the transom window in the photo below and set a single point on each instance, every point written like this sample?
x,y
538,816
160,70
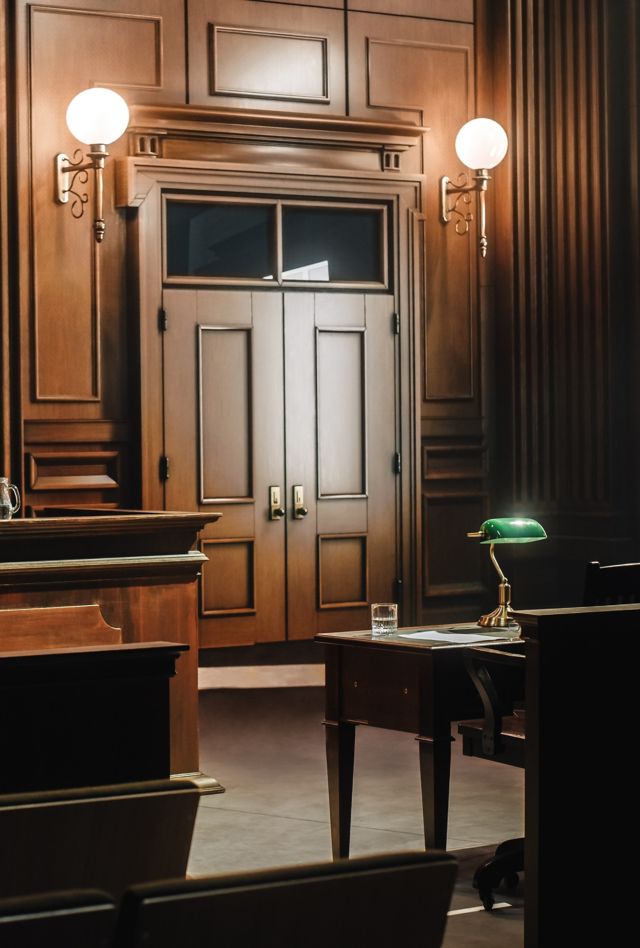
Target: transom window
x,y
211,240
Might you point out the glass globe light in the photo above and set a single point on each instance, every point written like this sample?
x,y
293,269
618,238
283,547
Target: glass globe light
x,y
97,116
481,143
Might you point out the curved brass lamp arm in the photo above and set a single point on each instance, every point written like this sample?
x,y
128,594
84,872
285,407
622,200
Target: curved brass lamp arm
x,y
503,578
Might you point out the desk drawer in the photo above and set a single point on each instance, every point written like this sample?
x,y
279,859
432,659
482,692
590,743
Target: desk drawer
x,y
383,693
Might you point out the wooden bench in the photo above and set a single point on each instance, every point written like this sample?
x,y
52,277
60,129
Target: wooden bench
x,y
369,902
104,838
74,918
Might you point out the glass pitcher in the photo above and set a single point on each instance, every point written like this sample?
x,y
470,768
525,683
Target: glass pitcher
x,y
7,507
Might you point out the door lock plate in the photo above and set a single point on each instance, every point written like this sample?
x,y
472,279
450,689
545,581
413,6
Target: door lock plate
x,y
299,509
276,510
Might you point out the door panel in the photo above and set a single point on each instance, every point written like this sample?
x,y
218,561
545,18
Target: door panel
x,y
225,441
345,343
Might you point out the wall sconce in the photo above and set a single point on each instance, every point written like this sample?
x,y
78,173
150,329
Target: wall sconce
x,y
96,117
481,144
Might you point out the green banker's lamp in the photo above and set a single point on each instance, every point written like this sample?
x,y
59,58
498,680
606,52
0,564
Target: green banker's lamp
x,y
505,530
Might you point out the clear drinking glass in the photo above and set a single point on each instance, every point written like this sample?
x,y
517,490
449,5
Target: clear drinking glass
x,y
384,618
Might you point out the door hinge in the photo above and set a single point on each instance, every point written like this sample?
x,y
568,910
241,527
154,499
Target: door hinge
x,y
164,468
395,324
163,319
397,463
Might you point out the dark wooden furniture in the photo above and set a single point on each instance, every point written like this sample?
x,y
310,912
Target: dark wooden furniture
x,y
371,902
82,917
405,685
615,583
498,736
96,837
580,795
76,717
138,567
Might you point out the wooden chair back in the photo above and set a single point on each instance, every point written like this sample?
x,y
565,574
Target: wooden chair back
x,y
105,838
500,735
370,902
611,585
74,918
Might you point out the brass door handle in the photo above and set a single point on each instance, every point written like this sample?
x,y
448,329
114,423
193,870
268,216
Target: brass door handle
x,y
299,509
276,510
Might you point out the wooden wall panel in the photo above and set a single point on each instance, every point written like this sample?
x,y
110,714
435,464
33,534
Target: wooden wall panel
x,y
76,356
5,264
564,284
260,56
437,9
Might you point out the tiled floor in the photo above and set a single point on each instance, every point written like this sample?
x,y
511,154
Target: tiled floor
x,y
266,746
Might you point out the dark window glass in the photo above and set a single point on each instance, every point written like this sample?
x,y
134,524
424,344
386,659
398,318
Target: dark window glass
x,y
220,240
331,244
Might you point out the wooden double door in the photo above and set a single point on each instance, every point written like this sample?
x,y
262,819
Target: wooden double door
x,y
280,410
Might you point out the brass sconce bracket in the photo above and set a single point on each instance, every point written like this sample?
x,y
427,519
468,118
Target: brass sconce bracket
x,y
462,193
67,172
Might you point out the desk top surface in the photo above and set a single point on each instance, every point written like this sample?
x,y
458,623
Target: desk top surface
x,y
420,637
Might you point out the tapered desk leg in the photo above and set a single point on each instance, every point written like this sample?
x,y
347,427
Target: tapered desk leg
x,y
435,765
340,739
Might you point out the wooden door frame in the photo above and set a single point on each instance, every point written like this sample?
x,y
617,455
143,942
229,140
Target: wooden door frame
x,y
141,182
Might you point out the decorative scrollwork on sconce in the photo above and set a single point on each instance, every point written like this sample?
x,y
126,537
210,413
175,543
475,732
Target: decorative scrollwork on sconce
x,y
462,192
464,216
67,172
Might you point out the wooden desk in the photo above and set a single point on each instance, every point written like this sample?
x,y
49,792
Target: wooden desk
x,y
74,717
139,568
404,685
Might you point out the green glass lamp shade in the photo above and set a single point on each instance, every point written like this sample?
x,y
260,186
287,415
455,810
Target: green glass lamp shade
x,y
511,530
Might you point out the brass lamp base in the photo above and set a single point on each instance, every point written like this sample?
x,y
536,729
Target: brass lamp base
x,y
502,617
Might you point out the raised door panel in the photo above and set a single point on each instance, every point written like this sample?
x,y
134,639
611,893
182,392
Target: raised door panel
x,y
266,56
224,441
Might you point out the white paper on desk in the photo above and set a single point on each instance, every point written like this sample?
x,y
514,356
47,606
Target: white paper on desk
x,y
447,638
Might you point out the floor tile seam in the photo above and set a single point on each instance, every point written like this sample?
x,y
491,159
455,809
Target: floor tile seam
x,y
274,816
305,819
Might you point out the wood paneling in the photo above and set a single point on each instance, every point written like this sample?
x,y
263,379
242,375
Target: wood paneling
x,y
436,9
242,63
342,570
454,503
228,579
226,429
5,272
73,470
127,46
257,55
564,275
341,419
